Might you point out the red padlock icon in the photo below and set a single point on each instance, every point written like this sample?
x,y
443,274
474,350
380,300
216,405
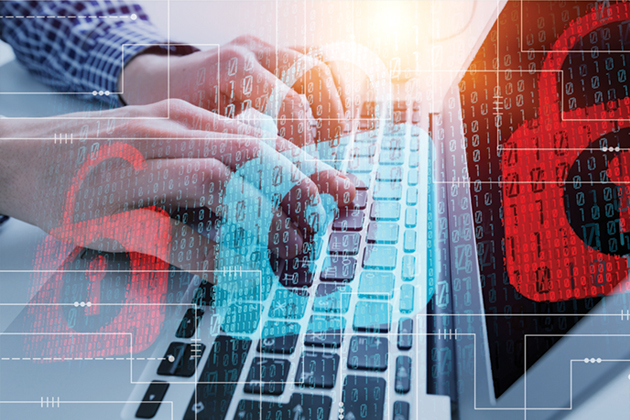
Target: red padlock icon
x,y
566,234
73,322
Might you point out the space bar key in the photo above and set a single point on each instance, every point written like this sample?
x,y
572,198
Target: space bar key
x,y
217,381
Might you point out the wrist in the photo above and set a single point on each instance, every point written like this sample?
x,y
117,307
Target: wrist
x,y
15,157
144,80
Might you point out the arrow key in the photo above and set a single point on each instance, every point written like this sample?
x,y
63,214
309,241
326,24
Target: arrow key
x,y
181,359
403,374
218,379
405,333
401,410
152,400
189,323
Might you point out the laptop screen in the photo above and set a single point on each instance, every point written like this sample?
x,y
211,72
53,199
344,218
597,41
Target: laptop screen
x,y
545,139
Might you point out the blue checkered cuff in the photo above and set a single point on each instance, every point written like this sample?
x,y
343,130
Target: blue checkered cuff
x,y
112,51
80,46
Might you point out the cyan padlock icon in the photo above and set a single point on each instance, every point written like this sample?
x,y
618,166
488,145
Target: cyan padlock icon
x,y
564,237
87,326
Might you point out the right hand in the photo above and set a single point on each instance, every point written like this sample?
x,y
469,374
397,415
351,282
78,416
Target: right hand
x,y
191,157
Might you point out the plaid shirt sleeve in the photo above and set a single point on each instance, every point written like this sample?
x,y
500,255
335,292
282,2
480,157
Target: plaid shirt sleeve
x,y
77,46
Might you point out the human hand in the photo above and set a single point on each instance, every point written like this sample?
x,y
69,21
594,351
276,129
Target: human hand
x,y
245,73
185,168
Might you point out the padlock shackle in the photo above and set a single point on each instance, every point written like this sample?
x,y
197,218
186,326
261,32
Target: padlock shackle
x,y
563,45
117,150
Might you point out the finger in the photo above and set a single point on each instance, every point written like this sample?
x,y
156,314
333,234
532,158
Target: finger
x,y
306,75
270,95
327,179
259,164
185,121
286,185
350,81
180,185
235,152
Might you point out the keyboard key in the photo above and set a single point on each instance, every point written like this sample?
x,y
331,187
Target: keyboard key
x,y
242,318
414,159
364,150
297,272
379,257
247,283
406,298
317,370
364,179
403,374
394,157
408,268
413,177
218,379
152,400
344,243
410,240
332,298
189,323
389,174
325,331
412,196
289,304
405,333
372,317
414,144
382,233
366,136
349,220
361,164
411,217
385,211
363,397
338,268
393,142
279,337
387,191
368,353
267,376
181,359
401,410
300,407
396,128
358,181
360,200
376,285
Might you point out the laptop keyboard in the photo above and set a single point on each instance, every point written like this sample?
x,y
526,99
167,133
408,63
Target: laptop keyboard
x,y
336,338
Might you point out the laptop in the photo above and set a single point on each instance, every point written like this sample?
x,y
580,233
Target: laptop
x,y
354,342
